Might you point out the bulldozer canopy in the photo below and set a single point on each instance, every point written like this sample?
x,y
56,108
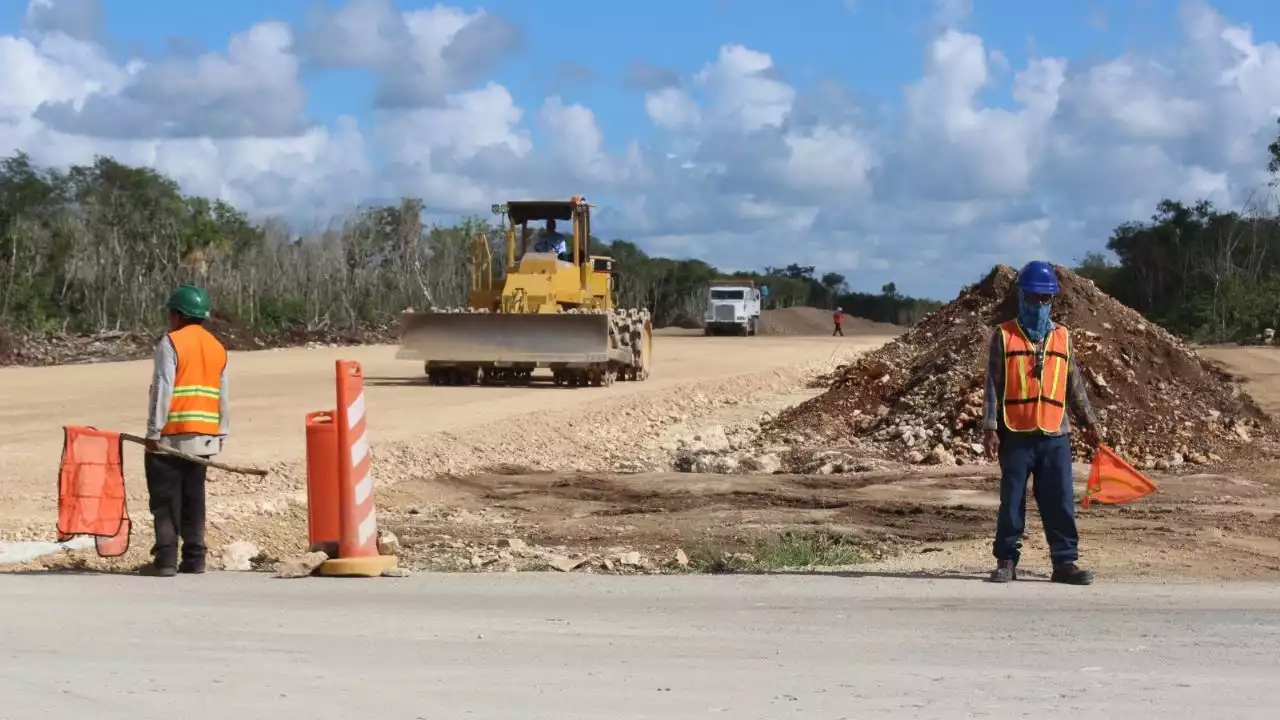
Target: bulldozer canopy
x,y
525,210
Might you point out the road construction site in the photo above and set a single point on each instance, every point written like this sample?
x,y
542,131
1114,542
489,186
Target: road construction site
x,y
697,468
845,467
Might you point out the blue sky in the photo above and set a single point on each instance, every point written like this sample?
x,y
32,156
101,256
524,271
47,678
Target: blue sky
x,y
873,48
920,193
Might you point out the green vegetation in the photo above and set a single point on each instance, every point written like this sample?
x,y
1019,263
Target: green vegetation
x,y
98,247
1201,272
788,550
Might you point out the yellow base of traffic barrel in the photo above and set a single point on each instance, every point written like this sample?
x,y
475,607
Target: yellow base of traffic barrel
x,y
372,566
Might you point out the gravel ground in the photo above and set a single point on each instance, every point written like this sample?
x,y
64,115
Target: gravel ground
x,y
419,431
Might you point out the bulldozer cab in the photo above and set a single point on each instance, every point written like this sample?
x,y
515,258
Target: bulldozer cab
x,y
572,219
526,222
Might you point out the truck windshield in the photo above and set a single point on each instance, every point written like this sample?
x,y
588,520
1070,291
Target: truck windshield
x,y
726,294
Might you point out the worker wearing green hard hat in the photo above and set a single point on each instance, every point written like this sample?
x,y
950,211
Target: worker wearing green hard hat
x,y
188,414
189,301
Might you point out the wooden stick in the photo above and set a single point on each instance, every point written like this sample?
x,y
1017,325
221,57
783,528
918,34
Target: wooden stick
x,y
198,460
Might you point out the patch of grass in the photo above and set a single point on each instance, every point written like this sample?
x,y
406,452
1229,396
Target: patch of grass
x,y
714,558
783,551
806,550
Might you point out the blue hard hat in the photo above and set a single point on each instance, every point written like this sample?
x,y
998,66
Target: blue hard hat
x,y
1038,277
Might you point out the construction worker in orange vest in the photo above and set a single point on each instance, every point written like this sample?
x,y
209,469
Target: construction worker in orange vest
x,y
188,413
1032,380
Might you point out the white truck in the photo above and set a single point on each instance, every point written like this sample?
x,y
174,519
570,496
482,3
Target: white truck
x,y
733,307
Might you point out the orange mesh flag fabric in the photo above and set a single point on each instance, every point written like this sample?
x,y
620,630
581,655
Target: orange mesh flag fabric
x,y
91,497
1113,481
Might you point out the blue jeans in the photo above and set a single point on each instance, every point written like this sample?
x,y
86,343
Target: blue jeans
x,y
1048,459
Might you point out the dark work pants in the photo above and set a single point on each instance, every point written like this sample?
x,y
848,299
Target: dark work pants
x,y
1048,459
176,489
838,331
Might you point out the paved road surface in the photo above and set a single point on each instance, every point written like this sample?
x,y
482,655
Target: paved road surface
x,y
563,647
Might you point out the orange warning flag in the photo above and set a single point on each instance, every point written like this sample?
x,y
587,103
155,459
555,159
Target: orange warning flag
x,y
1113,481
91,498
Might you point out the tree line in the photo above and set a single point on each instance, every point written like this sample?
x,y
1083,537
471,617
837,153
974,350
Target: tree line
x,y
1205,273
97,247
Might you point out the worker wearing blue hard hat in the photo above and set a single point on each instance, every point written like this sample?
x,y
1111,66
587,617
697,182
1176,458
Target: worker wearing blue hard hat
x,y
1032,381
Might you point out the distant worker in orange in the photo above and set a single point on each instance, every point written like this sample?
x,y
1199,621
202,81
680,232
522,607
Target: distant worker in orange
x,y
188,413
1032,379
838,317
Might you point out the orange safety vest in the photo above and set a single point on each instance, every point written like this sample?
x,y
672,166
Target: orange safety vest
x,y
1034,403
197,384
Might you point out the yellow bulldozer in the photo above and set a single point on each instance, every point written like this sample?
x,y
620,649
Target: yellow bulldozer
x,y
552,308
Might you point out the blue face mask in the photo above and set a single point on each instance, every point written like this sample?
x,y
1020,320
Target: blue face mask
x,y
1033,317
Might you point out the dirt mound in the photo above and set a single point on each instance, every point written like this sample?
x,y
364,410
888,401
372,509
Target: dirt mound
x,y
919,398
816,321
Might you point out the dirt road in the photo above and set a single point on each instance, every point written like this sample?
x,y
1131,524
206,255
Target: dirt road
x,y
498,479
1257,366
272,390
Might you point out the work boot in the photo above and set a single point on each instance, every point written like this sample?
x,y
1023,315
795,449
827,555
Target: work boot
x,y
153,570
189,568
1006,571
1071,574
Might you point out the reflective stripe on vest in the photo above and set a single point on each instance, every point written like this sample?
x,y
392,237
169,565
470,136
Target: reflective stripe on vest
x,y
1034,401
195,407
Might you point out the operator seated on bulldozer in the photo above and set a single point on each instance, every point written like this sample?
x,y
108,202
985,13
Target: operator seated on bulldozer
x,y
551,241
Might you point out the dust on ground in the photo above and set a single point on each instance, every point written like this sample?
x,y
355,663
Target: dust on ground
x,y
902,520
931,521
597,487
1199,527
816,321
420,431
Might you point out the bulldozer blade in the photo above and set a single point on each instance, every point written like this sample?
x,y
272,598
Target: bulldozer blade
x,y
484,338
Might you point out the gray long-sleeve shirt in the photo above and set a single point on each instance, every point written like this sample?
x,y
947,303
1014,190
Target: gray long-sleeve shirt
x,y
1077,397
162,378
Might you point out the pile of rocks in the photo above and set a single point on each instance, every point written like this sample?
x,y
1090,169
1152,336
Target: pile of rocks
x,y
920,398
715,451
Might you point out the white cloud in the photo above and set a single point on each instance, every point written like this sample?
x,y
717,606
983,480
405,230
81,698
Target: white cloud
x,y
420,54
952,12
672,108
214,95
298,173
746,92
745,169
80,19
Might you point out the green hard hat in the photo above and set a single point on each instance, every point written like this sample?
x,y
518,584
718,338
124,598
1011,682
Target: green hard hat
x,y
190,301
